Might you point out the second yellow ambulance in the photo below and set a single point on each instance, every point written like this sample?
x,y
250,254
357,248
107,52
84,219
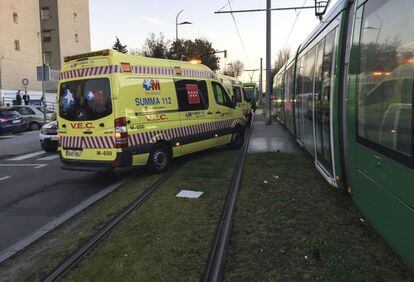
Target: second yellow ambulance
x,y
235,88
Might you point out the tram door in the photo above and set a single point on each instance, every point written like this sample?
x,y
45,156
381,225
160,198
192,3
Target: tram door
x,y
298,102
323,82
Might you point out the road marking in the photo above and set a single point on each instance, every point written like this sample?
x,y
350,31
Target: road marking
x,y
27,156
49,158
5,254
23,165
4,178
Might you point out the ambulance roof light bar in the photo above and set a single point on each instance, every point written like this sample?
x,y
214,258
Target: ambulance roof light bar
x,y
86,55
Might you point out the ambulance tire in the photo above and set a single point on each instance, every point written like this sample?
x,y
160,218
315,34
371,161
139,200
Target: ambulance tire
x,y
249,120
237,138
160,159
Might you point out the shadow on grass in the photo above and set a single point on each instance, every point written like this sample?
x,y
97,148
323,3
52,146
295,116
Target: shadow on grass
x,y
291,225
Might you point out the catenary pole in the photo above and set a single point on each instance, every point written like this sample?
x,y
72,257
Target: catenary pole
x,y
268,111
261,81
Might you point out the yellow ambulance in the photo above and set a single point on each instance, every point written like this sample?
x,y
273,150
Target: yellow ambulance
x,y
235,88
118,110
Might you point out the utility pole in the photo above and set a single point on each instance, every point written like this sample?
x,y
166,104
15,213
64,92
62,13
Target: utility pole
x,y
177,24
261,81
268,109
43,85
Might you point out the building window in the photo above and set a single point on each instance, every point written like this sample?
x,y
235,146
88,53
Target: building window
x,y
48,58
75,17
76,37
45,13
47,37
17,45
15,18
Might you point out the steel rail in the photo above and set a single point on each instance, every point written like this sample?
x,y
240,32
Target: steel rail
x,y
215,263
99,236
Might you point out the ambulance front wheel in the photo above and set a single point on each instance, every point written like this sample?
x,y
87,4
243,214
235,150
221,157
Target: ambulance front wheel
x,y
237,139
160,159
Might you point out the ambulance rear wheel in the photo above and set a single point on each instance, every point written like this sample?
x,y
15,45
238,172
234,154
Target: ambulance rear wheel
x,y
237,139
249,119
160,159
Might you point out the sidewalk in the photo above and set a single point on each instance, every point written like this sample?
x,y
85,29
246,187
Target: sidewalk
x,y
271,138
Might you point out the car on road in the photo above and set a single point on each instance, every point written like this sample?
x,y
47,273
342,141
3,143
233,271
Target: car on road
x,y
11,122
33,116
49,137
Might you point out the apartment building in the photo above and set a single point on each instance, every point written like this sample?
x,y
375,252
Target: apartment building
x,y
65,29
20,44
33,31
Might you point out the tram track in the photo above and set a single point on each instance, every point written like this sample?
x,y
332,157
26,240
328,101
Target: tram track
x,y
214,267
216,259
101,234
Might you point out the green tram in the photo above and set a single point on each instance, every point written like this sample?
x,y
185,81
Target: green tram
x,y
347,96
251,90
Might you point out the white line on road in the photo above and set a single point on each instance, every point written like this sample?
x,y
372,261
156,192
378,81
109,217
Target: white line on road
x,y
27,156
5,254
23,165
4,178
49,158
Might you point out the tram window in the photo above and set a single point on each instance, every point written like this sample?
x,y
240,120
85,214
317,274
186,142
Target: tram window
x,y
318,69
308,71
192,94
386,76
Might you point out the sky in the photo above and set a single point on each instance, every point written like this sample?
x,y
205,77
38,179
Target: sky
x,y
133,20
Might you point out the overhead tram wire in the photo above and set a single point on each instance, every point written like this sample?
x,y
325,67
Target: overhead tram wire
x,y
294,24
238,32
221,9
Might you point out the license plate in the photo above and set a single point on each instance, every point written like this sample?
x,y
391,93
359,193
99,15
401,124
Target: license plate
x,y
17,121
72,153
51,139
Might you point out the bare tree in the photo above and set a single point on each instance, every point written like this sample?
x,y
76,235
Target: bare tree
x,y
235,69
155,47
283,56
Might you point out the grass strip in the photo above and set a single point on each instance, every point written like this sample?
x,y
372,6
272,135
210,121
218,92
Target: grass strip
x,y
168,238
41,257
291,225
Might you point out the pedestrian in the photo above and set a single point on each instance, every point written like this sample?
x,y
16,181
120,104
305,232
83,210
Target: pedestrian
x,y
26,98
18,98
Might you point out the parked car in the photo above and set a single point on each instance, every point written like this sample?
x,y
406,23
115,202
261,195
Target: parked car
x,y
33,116
11,122
48,137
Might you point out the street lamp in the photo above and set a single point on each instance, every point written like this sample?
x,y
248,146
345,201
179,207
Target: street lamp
x,y
177,24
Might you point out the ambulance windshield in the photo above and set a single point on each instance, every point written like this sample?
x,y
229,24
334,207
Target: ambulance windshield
x,y
88,99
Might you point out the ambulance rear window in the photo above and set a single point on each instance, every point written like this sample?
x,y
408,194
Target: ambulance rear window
x,y
88,99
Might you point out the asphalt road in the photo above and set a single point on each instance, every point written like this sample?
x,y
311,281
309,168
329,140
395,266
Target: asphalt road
x,y
20,143
34,190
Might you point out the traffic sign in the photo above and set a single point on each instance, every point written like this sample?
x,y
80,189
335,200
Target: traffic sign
x,y
25,81
43,73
